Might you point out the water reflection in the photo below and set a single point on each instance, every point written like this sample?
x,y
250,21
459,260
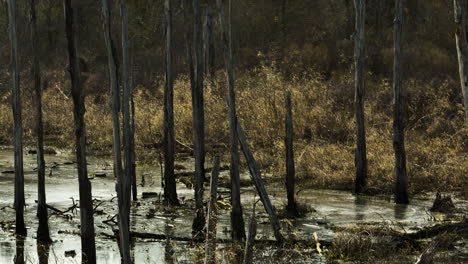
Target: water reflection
x,y
169,248
43,253
360,203
400,211
19,257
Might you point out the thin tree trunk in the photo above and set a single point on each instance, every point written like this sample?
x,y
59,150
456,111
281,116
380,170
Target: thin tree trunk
x,y
43,228
210,248
259,184
290,169
249,243
361,156
198,119
460,7
17,120
237,220
401,193
123,216
132,136
170,191
88,245
208,44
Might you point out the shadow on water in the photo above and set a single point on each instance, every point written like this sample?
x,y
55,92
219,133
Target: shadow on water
x,y
19,257
360,203
400,211
43,253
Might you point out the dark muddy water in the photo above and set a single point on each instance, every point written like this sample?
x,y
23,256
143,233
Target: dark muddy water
x,y
148,215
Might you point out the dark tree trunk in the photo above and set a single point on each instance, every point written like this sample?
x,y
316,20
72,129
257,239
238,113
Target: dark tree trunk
x,y
290,169
259,184
123,202
88,245
19,256
208,44
210,248
401,193
17,120
43,228
237,220
170,191
250,241
359,56
198,119
460,8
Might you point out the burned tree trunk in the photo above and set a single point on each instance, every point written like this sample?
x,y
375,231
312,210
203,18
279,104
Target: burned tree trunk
x,y
460,7
198,119
210,249
88,245
401,193
208,44
237,220
359,38
290,169
170,192
17,121
43,235
123,202
259,185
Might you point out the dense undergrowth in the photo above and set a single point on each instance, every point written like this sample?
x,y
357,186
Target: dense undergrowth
x,y
436,137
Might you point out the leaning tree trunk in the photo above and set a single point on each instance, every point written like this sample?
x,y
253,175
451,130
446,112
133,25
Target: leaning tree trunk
x,y
360,158
198,119
43,228
88,245
462,48
290,169
170,191
237,220
17,127
401,194
124,204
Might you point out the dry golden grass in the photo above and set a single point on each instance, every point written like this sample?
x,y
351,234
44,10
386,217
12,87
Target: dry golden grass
x,y
436,137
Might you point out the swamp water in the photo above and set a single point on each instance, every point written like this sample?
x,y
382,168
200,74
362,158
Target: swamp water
x,y
331,208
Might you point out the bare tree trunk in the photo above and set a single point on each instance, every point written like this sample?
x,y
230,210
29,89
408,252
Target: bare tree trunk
x,y
43,228
123,202
132,136
198,120
401,193
237,220
208,44
359,56
249,243
210,248
17,120
462,48
259,184
170,191
88,245
290,169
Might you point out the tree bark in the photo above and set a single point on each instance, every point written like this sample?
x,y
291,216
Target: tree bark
x,y
88,245
210,248
259,184
17,121
43,235
123,201
237,220
208,44
170,191
249,243
359,56
460,8
290,169
198,119
401,193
